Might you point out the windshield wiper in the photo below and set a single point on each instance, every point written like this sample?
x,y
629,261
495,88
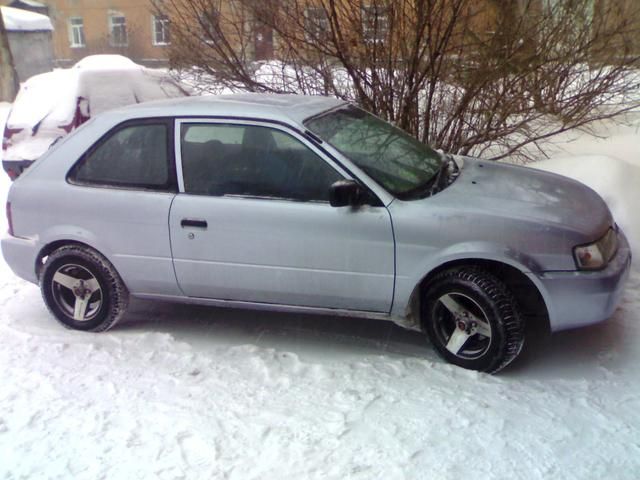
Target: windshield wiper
x,y
427,188
449,171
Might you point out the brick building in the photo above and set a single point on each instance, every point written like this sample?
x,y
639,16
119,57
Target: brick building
x,y
132,27
126,27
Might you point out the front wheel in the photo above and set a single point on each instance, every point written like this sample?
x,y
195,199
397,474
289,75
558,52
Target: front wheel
x,y
82,289
473,320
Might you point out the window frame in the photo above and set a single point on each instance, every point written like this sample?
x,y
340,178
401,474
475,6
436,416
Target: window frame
x,y
251,122
72,29
171,186
373,17
112,42
209,25
164,21
320,24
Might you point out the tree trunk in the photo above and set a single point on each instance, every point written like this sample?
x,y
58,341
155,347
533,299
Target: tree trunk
x,y
8,77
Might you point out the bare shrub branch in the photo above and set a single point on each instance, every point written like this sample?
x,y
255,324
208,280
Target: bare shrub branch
x,y
466,76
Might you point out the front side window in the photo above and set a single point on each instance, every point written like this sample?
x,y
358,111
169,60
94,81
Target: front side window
x,y
133,156
393,158
76,32
252,161
118,30
161,30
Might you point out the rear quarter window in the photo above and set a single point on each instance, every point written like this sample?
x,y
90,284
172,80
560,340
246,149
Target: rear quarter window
x,y
133,156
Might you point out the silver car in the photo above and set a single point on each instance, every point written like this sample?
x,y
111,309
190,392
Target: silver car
x,y
309,204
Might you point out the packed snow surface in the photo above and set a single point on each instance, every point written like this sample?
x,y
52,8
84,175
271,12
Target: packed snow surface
x,y
190,392
16,20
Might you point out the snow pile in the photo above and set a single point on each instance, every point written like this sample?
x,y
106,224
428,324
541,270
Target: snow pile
x,y
18,20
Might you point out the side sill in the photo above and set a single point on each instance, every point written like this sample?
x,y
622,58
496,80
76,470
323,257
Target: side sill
x,y
270,307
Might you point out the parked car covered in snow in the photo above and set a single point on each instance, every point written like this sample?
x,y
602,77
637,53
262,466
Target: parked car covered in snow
x,y
310,204
50,105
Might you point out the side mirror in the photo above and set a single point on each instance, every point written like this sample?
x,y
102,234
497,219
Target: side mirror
x,y
345,193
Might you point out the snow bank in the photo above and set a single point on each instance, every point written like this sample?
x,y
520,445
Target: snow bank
x,y
18,20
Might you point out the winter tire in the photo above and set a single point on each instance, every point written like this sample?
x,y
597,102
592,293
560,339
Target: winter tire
x,y
82,289
473,320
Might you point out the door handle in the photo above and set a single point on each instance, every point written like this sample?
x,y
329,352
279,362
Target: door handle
x,y
193,222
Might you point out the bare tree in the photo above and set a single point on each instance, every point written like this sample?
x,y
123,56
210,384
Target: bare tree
x,y
8,76
469,77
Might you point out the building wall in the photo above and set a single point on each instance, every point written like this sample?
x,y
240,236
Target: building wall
x,y
95,16
32,53
139,21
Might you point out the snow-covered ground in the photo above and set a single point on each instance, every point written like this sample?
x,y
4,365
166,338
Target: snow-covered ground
x,y
189,392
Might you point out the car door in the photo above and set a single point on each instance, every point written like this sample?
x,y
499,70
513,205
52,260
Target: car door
x,y
121,191
252,222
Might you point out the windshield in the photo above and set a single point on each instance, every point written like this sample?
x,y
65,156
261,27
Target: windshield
x,y
393,158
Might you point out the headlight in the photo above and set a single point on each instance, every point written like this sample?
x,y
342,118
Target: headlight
x,y
596,255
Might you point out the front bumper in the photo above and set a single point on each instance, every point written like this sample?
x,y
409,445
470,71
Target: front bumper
x,y
20,254
576,299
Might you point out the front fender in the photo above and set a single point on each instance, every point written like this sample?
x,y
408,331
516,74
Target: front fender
x,y
411,272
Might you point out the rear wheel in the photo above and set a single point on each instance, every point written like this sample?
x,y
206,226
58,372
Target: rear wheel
x,y
473,320
82,289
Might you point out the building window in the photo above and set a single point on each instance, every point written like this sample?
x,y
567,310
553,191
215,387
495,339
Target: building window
x,y
118,30
316,24
76,32
375,23
210,25
558,8
161,30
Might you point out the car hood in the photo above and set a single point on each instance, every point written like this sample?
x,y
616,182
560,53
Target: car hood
x,y
522,193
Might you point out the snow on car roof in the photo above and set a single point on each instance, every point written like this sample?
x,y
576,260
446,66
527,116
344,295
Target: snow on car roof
x,y
106,62
280,107
18,20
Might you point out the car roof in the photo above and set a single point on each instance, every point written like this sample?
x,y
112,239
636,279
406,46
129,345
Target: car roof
x,y
265,106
